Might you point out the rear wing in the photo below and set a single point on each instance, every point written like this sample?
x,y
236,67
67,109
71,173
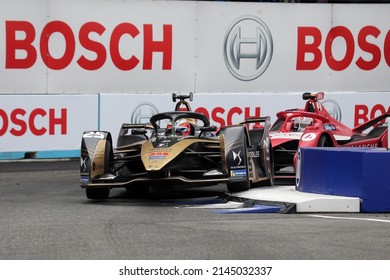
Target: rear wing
x,y
136,129
313,96
136,126
182,101
266,120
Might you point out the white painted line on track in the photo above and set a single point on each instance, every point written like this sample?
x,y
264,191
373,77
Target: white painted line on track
x,y
350,218
227,205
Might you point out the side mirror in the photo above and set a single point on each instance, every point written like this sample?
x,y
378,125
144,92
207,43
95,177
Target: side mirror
x,y
139,131
208,128
204,129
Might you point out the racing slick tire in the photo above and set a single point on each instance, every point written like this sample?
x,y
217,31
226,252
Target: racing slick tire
x,y
269,166
97,194
238,186
271,179
96,155
324,141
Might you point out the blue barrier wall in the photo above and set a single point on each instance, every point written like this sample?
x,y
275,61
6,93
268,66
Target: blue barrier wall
x,y
353,172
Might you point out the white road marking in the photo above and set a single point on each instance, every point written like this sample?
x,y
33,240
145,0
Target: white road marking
x,y
350,218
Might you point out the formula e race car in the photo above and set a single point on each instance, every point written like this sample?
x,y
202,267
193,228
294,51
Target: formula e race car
x,y
177,149
313,126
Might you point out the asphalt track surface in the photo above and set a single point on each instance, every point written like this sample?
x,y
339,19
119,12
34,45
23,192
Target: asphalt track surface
x,y
44,215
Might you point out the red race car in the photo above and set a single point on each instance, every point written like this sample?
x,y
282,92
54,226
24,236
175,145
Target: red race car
x,y
313,126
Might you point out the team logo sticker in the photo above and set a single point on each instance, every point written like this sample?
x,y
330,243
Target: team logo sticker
x,y
238,172
157,155
236,156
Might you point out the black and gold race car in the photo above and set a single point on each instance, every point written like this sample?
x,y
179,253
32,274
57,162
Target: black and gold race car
x,y
177,149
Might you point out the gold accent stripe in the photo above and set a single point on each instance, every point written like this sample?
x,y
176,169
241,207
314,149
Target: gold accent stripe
x,y
155,159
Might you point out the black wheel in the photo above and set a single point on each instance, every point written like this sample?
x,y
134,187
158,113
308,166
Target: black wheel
x,y
238,186
98,194
268,163
324,141
271,179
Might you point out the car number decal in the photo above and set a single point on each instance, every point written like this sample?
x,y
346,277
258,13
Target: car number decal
x,y
94,134
309,137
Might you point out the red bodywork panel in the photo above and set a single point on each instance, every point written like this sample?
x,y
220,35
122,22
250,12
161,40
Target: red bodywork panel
x,y
313,126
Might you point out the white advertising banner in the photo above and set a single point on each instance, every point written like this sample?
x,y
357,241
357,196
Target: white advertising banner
x,y
46,122
93,46
19,72
252,47
256,47
70,66
227,109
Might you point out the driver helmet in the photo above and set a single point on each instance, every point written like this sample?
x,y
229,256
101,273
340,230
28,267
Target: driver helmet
x,y
182,127
168,129
300,123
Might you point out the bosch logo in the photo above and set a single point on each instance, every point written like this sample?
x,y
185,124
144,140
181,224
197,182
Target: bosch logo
x,y
143,112
24,37
248,48
333,108
363,113
365,49
39,121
